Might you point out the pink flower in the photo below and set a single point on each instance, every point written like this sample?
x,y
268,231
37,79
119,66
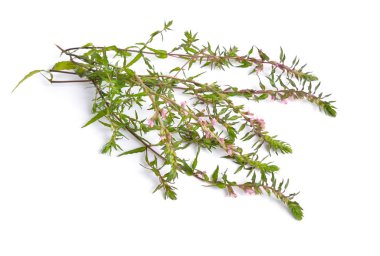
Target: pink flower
x,y
222,140
249,190
202,121
252,121
232,193
248,113
284,101
273,97
162,137
213,122
229,150
164,113
150,122
183,104
199,175
261,122
259,68
208,134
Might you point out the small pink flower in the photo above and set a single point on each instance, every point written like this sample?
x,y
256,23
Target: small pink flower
x,y
164,113
229,150
202,121
232,193
259,68
222,140
199,175
249,190
183,104
248,113
261,123
273,97
162,137
284,101
150,122
208,134
170,136
213,122
252,121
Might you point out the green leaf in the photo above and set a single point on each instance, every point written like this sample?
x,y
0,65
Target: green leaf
x,y
88,45
26,77
99,115
134,60
195,162
171,194
262,97
215,174
329,110
133,151
282,55
162,54
296,210
187,168
64,65
263,56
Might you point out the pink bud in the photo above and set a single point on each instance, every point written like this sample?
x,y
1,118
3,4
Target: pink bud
x,y
202,121
232,193
249,190
284,101
208,134
164,113
199,175
252,121
259,68
183,104
229,150
261,123
222,140
213,122
150,122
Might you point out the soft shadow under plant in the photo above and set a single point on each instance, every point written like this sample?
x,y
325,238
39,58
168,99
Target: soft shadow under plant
x,y
209,119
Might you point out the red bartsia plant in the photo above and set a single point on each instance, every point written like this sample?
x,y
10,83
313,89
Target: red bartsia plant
x,y
208,119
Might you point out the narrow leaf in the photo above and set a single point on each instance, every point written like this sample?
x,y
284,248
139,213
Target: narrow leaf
x,y
96,117
26,77
133,151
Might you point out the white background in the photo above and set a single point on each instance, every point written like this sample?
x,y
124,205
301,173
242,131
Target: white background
x,y
60,196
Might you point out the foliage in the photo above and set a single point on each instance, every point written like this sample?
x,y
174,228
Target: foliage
x,y
209,119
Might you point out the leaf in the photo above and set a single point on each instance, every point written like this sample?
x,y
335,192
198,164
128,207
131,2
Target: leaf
x,y
195,162
262,97
99,115
134,60
162,54
187,168
296,210
215,174
30,74
64,65
171,194
88,45
329,110
133,151
282,55
175,69
263,56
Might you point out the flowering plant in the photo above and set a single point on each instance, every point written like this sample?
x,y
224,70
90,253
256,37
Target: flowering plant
x,y
208,118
